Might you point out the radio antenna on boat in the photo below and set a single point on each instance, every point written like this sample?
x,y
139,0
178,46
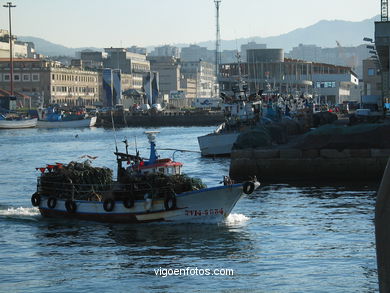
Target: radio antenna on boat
x,y
136,148
113,128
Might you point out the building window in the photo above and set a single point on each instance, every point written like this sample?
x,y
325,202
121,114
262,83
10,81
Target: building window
x,y
325,84
6,77
53,77
26,77
371,71
16,77
35,77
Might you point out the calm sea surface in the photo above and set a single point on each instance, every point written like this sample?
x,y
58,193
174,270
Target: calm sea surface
x,y
282,238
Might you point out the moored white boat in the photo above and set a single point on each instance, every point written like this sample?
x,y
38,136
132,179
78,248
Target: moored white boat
x,y
15,124
217,144
86,122
148,190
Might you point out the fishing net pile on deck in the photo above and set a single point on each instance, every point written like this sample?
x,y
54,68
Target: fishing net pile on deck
x,y
76,180
158,185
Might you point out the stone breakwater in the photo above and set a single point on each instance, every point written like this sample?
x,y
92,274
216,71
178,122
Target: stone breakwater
x,y
292,164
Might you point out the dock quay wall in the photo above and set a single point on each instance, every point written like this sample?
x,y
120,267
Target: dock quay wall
x,y
160,120
275,165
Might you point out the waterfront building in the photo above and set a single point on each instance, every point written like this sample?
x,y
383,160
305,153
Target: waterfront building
x,y
196,53
50,82
127,62
250,46
340,55
204,74
382,43
138,50
372,80
20,49
328,83
169,73
166,50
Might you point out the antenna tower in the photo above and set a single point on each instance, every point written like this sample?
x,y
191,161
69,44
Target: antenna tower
x,y
384,10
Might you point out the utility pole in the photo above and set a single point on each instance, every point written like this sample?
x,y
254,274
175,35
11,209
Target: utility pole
x,y
9,6
217,44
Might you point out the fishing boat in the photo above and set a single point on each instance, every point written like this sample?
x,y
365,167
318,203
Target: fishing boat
x,y
242,111
147,190
54,117
17,123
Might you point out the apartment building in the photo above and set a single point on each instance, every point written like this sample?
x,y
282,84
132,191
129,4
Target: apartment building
x,y
50,82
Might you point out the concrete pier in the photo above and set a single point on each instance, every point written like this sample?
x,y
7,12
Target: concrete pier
x,y
161,119
294,164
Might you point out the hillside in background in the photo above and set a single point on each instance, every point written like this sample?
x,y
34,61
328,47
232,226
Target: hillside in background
x,y
323,34
50,49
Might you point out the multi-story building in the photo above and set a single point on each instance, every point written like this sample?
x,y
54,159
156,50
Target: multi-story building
x,y
372,80
169,73
382,43
196,53
340,55
250,46
167,50
138,50
50,82
268,67
20,49
204,74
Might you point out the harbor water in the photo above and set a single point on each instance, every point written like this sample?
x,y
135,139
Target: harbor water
x,y
282,238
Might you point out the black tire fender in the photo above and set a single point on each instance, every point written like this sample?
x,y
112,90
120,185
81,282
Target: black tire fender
x,y
108,205
248,187
35,199
70,206
51,202
170,201
128,203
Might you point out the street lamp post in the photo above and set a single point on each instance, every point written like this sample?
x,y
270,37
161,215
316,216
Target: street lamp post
x,y
9,6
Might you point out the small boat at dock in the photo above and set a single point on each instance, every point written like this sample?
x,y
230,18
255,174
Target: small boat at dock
x,y
145,190
55,117
17,123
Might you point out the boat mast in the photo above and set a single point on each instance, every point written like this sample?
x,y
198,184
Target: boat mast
x,y
9,6
217,46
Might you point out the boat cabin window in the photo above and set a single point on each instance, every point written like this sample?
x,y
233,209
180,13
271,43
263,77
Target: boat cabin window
x,y
161,170
177,170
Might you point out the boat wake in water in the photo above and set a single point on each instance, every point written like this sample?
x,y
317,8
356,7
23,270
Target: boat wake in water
x,y
19,213
236,219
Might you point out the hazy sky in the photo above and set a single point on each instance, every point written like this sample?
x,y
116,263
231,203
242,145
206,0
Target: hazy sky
x,y
98,23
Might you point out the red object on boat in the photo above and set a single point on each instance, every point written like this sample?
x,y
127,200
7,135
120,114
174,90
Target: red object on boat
x,y
50,167
42,169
